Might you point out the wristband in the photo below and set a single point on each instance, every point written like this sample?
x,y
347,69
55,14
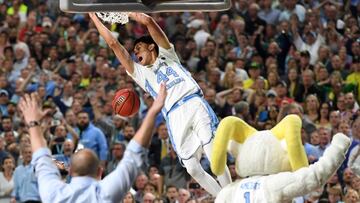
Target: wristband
x,y
33,124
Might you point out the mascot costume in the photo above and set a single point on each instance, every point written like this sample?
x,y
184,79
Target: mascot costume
x,y
272,164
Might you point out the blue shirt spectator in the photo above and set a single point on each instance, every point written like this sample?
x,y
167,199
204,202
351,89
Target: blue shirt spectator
x,y
25,183
4,98
92,137
311,151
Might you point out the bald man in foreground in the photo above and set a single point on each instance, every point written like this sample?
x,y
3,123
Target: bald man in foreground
x,y
85,169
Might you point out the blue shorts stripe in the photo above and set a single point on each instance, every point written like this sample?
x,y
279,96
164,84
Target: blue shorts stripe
x,y
214,120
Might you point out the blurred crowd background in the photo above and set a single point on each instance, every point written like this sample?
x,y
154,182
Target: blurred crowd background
x,y
260,61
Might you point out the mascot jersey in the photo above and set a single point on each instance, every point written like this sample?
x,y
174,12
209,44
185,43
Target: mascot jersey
x,y
250,190
284,186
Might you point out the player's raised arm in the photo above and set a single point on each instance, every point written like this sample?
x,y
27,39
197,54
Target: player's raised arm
x,y
121,53
117,183
155,31
143,135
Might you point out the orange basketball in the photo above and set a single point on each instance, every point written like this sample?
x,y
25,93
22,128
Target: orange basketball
x,y
126,102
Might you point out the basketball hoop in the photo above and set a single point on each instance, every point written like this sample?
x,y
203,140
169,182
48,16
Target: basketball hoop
x,y
114,17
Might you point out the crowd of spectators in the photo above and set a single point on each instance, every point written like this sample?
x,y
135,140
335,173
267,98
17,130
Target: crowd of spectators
x,y
260,61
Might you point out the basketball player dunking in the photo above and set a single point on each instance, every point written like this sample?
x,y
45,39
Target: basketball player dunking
x,y
190,120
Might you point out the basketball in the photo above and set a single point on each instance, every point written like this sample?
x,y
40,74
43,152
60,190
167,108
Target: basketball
x,y
126,102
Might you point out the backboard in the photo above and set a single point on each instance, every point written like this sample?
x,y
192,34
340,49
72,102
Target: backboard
x,y
147,6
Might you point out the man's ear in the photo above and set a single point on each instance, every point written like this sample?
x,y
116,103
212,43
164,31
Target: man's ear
x,y
71,171
151,47
100,171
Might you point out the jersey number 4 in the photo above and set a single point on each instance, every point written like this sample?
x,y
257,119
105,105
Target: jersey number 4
x,y
164,77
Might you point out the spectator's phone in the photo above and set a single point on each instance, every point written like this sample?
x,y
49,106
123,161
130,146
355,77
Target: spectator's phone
x,y
55,122
194,186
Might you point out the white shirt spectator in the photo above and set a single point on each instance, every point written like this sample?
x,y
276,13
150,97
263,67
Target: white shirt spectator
x,y
312,49
201,35
242,74
5,185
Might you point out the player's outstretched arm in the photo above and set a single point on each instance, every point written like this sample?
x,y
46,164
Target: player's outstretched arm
x,y
154,29
47,173
33,114
121,53
143,135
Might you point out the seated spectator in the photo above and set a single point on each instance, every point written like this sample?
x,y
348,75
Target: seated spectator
x,y
160,145
68,150
242,110
324,116
210,97
254,73
148,198
227,99
6,179
151,188
57,142
7,126
347,177
3,152
324,141
292,81
334,194
92,137
308,87
129,198
139,186
172,194
311,107
184,195
352,196
117,154
172,172
334,121
310,149
25,182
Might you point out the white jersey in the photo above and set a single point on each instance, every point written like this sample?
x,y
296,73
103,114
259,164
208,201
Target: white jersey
x,y
284,186
250,190
167,68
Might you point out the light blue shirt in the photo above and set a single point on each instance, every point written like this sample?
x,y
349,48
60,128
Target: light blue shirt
x,y
25,184
319,151
93,138
87,189
311,150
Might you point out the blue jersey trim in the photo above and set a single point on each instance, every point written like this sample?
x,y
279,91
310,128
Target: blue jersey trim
x,y
181,102
150,89
214,120
191,78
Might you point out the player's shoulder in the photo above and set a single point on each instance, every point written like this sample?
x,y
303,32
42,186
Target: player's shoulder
x,y
166,51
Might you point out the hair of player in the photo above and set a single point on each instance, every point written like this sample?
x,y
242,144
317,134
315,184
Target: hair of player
x,y
147,39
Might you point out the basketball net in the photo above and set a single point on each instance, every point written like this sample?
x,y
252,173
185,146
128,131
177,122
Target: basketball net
x,y
114,17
